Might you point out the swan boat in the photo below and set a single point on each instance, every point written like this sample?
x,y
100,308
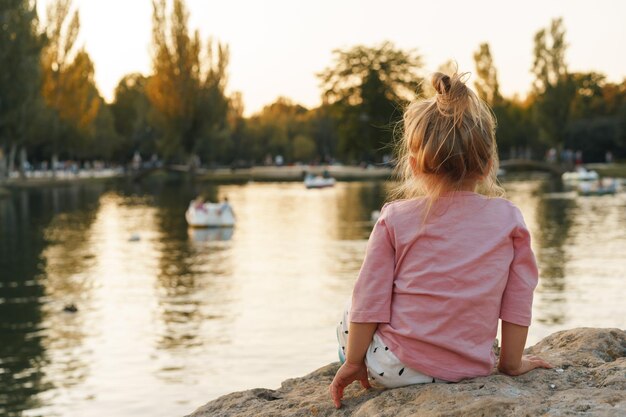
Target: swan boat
x,y
209,215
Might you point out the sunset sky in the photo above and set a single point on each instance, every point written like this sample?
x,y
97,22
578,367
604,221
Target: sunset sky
x,y
277,46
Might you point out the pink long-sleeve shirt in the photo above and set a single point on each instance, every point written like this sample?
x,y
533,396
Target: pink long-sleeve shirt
x,y
437,287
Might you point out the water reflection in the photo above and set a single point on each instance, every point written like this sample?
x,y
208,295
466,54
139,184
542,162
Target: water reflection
x,y
34,283
577,241
355,203
177,316
210,234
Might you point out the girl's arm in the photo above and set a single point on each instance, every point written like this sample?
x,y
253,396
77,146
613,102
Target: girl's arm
x,y
371,304
354,369
359,338
512,361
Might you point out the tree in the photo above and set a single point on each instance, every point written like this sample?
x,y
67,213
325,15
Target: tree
x,y
487,76
553,88
104,141
589,100
186,89
239,153
133,118
323,130
367,87
593,137
596,125
515,130
20,77
275,128
68,82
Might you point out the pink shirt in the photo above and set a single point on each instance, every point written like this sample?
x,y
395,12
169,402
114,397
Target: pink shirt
x,y
438,288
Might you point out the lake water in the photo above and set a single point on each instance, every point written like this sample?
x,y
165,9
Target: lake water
x,y
179,317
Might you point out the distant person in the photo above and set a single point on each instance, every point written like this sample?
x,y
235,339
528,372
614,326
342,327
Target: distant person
x,y
199,202
136,160
578,158
608,157
443,264
225,206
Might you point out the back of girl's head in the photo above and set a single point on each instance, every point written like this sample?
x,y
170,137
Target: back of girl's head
x,y
448,142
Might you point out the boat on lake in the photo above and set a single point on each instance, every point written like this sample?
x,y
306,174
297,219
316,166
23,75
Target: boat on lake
x,y
318,181
601,187
201,214
581,174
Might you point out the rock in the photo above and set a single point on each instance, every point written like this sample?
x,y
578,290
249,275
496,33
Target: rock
x,y
589,379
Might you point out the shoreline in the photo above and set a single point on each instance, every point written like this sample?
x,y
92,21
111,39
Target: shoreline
x,y
292,173
218,175
587,379
295,173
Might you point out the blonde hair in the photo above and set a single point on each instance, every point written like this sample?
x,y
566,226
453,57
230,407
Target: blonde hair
x,y
448,142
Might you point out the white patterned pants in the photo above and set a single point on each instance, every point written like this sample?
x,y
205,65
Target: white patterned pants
x,y
382,365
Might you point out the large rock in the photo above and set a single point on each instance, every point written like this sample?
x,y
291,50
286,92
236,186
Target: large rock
x,y
589,379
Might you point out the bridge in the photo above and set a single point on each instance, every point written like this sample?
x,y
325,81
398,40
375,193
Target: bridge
x,y
530,165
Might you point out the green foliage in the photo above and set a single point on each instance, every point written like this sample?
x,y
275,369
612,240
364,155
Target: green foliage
x,y
49,103
69,88
553,86
487,85
304,148
589,99
20,47
186,89
593,137
515,129
104,140
368,88
133,117
274,129
323,130
597,117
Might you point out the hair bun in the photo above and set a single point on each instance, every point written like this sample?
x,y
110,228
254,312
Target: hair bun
x,y
441,82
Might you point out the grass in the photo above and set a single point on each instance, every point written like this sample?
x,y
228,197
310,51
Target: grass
x,y
610,170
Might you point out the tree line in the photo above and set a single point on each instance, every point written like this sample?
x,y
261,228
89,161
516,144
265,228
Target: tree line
x,y
51,109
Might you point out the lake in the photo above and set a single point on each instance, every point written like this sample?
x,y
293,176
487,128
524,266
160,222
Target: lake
x,y
169,318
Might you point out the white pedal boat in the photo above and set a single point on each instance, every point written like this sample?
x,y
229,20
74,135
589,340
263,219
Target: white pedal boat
x,y
209,215
318,182
581,174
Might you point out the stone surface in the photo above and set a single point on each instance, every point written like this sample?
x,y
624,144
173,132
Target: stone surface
x,y
589,379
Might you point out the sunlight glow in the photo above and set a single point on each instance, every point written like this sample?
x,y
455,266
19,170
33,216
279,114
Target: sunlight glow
x,y
277,46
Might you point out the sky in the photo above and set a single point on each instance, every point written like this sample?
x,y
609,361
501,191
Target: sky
x,y
278,46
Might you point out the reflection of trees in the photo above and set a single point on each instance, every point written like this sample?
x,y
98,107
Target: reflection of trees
x,y
187,271
39,253
554,220
355,205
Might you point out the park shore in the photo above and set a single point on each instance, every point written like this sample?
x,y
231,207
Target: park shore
x,y
291,173
220,175
296,173
587,379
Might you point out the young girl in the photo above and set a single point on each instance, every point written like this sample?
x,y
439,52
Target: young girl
x,y
443,264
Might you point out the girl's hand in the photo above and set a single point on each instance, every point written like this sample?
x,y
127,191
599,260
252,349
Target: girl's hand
x,y
527,364
347,374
